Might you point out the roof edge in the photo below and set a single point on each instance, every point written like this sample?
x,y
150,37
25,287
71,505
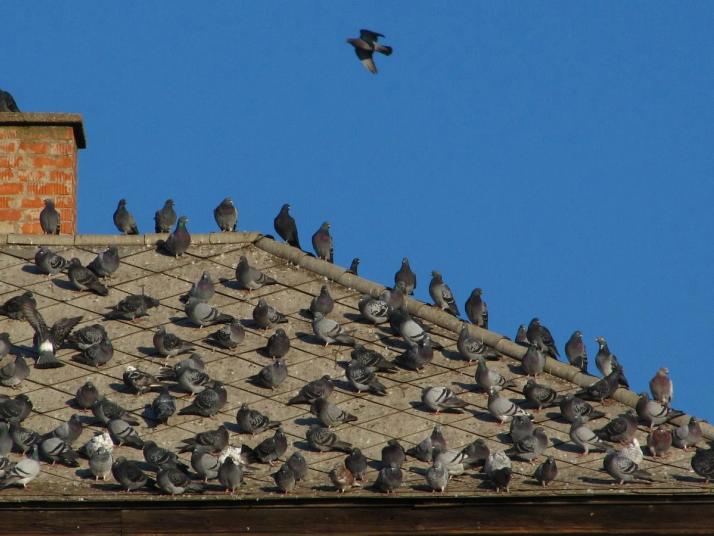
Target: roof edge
x,y
49,119
149,239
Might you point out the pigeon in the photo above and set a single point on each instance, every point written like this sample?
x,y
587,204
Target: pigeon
x,y
104,410
458,460
407,328
659,441
374,310
252,421
356,462
607,362
585,438
23,439
623,469
540,395
546,472
320,388
661,387
632,450
521,427
132,307
67,431
341,477
529,448
363,378
88,336
476,309
21,474
124,221
15,410
265,315
354,266
576,352
487,378
99,441
703,463
270,449
178,242
251,278
501,408
389,479
323,440
208,402
173,481
372,358
430,446
129,475
365,45
194,362
521,336
230,475
437,477
393,453
285,226
100,464
212,440
438,399
272,375
284,478
48,262
278,344
50,218
540,336
124,434
13,370
5,344
533,361
226,215
202,314
6,441
688,434
417,357
602,389
106,262
298,464
54,449
470,347
406,276
138,381
329,331
441,294
205,464
498,470
330,414
165,218
163,406
395,297
572,407
87,395
323,302
322,243
47,340
230,335
7,102
202,290
169,345
652,413
96,355
84,279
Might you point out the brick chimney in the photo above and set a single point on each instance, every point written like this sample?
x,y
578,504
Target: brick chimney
x,y
38,160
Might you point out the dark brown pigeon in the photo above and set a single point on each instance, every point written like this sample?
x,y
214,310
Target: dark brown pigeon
x,y
365,45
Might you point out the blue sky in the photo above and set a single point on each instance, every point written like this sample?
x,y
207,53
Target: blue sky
x,y
556,154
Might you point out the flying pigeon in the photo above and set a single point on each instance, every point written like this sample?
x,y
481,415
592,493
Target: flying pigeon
x,y
226,215
165,218
322,243
106,262
285,226
365,45
177,243
132,307
84,279
406,276
124,221
48,262
441,294
476,309
251,278
7,103
50,218
576,352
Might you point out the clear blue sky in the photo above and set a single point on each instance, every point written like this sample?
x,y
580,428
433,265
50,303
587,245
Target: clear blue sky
x,y
556,154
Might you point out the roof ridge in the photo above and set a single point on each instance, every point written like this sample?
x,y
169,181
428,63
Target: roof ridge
x,y
148,239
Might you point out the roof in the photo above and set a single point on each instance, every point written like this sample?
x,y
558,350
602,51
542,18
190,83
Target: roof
x,y
33,119
397,415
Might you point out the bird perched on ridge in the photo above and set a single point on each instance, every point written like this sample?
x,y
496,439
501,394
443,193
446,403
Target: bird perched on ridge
x,y
476,309
406,276
165,217
365,45
540,336
442,295
84,279
7,102
607,362
226,215
286,227
576,352
124,221
50,218
354,266
322,243
178,242
661,387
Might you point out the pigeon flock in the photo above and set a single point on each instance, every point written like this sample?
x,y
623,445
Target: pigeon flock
x,y
185,385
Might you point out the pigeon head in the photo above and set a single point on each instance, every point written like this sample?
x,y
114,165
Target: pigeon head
x,y
182,221
325,226
436,275
280,331
284,209
49,203
130,368
206,276
476,292
169,203
664,371
601,341
227,201
122,202
74,261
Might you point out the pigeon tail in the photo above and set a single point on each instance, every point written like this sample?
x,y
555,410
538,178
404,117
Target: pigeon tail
x,y
48,360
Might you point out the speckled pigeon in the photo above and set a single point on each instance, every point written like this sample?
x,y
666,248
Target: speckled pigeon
x,y
372,358
320,388
363,378
540,335
48,262
230,335
47,340
163,406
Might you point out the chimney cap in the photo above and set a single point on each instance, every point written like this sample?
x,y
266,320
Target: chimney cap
x,y
47,119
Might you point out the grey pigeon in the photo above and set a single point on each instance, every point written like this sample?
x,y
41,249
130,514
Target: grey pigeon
x,y
438,399
470,347
84,279
278,344
602,389
522,336
540,395
329,331
165,217
67,431
576,352
476,309
659,441
374,310
272,375
13,370
213,440
533,361
173,481
104,410
437,477
132,307
298,464
96,355
661,387
284,478
365,45
546,472
323,440
285,226
585,438
270,449
230,475
47,340
652,413
55,450
540,336
124,221
389,479
106,262
21,474
341,477
458,460
265,315
48,262
529,448
363,378
418,356
354,266
356,462
15,410
23,438
124,434
687,435
163,406
521,427
139,381
100,463
572,408
194,362
703,463
99,441
251,278
86,395
202,290
372,358
442,295
129,475
226,215
431,445
623,469
501,408
230,335
406,276
5,344
178,242
393,454
6,442
323,302
330,414
208,402
487,378
205,464
498,470
322,243
169,345
320,388
88,336
252,421
406,327
203,314
7,102
607,362
50,218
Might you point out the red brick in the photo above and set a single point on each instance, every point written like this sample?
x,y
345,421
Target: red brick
x,y
52,161
10,214
33,228
11,188
32,202
9,147
5,174
61,176
34,147
64,202
7,133
51,188
5,202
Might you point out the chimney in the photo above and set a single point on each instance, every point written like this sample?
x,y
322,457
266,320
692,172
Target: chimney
x,y
38,160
